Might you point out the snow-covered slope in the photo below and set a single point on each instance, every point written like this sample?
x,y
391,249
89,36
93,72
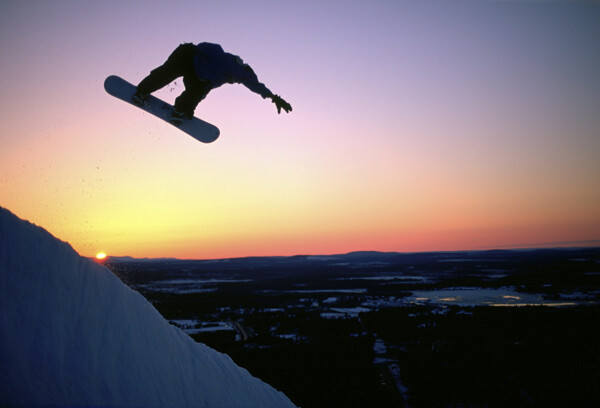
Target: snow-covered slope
x,y
71,333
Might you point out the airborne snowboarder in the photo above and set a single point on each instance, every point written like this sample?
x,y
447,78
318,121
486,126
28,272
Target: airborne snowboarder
x,y
204,67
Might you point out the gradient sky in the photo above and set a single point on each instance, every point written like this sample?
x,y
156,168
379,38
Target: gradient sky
x,y
417,126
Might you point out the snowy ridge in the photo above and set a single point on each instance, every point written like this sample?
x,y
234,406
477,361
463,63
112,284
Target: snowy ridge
x,y
71,333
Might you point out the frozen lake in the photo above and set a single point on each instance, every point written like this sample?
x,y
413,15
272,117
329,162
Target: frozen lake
x,y
480,297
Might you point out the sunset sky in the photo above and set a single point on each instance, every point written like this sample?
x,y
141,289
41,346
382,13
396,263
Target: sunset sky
x,y
417,126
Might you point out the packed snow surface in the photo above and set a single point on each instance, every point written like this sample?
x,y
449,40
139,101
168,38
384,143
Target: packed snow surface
x,y
71,333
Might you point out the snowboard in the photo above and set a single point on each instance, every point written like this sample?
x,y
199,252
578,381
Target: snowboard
x,y
196,128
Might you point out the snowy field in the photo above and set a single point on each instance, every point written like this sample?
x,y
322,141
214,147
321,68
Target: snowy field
x,y
458,296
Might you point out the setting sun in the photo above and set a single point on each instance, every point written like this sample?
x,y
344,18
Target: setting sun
x,y
100,256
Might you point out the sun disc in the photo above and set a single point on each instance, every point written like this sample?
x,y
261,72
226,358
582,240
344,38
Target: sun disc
x,y
100,256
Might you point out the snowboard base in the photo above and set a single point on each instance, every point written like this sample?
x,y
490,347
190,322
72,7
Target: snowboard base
x,y
196,128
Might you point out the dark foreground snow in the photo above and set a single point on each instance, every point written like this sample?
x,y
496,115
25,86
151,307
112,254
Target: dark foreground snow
x,y
71,333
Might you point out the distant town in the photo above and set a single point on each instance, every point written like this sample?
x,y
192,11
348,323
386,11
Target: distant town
x,y
453,329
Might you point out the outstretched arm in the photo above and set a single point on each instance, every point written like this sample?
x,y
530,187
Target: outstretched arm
x,y
250,81
263,91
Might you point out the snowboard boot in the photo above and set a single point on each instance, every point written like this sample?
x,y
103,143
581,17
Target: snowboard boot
x,y
177,118
139,99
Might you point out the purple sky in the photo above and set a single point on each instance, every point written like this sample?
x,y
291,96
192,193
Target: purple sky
x,y
417,125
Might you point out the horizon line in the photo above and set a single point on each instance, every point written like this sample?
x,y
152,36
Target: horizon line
x,y
566,245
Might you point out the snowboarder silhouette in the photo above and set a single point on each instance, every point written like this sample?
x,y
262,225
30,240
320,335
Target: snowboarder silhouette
x,y
203,67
